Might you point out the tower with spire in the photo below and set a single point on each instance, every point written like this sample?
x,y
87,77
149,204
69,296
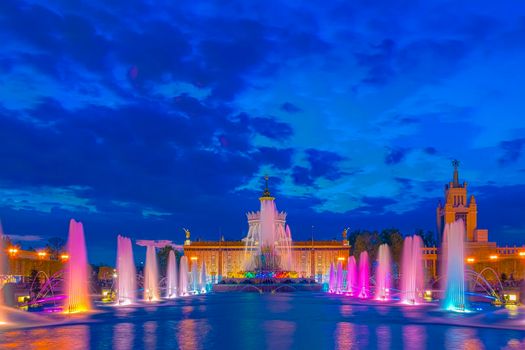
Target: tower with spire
x,y
457,207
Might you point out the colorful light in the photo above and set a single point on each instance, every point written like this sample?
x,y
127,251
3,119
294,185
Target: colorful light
x,y
470,260
493,257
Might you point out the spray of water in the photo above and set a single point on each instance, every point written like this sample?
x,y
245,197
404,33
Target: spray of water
x,y
151,275
76,276
126,272
412,275
351,277
454,267
171,276
383,273
183,276
364,276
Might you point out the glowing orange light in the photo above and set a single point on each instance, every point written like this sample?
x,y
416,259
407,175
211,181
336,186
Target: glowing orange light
x,y
341,258
64,257
13,251
470,260
522,253
193,258
42,254
493,257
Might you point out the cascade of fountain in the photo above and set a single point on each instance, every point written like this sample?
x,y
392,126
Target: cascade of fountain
x,y
351,276
151,275
76,274
412,278
195,285
183,276
3,318
332,279
204,278
126,272
364,275
171,276
454,266
339,278
269,241
383,273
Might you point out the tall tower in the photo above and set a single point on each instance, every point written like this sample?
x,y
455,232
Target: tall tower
x,y
456,207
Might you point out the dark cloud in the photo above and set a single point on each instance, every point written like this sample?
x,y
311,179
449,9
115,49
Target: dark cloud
x,y
271,128
395,156
290,107
511,150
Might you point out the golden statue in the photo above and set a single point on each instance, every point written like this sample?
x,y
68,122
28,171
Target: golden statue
x,y
187,233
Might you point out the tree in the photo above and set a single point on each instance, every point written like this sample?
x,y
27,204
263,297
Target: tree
x,y
429,239
163,254
55,246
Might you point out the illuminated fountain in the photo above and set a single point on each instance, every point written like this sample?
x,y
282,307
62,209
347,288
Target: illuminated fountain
x,y
195,285
204,278
454,266
332,279
383,273
268,243
364,276
151,275
351,276
340,278
76,274
126,272
412,275
172,281
183,276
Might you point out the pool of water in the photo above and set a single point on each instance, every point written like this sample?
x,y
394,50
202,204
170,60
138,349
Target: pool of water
x,y
278,321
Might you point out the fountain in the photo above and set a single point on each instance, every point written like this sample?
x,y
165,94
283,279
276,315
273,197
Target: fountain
x,y
195,285
126,272
332,279
268,243
172,281
339,279
76,274
454,266
183,276
151,275
351,276
412,277
204,278
383,273
364,275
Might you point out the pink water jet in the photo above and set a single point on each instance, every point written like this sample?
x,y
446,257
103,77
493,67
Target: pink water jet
x,y
412,274
76,271
383,273
332,281
339,278
171,276
126,272
151,275
364,276
351,277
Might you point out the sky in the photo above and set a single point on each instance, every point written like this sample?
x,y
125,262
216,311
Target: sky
x,y
141,118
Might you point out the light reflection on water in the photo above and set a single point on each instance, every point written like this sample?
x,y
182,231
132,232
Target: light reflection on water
x,y
252,321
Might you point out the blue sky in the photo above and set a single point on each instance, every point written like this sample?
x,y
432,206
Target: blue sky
x,y
141,118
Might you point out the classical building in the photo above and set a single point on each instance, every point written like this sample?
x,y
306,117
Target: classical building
x,y
229,259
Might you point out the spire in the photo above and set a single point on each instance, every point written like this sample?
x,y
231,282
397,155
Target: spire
x,y
455,164
266,194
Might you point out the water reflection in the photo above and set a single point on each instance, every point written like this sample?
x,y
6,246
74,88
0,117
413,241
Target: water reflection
x,y
462,339
123,336
383,337
191,334
344,336
150,335
279,334
73,337
414,337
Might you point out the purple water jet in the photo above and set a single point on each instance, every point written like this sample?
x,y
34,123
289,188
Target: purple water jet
x,y
364,276
151,275
126,272
183,276
332,279
339,278
76,274
383,273
171,276
412,275
351,277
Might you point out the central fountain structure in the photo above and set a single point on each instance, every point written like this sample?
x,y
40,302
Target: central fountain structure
x,y
453,266
76,274
269,241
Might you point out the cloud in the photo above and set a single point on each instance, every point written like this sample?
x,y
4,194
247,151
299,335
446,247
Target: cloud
x,y
25,238
511,150
395,156
290,108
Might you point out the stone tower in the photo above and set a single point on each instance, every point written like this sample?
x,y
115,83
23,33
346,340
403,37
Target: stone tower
x,y
457,207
